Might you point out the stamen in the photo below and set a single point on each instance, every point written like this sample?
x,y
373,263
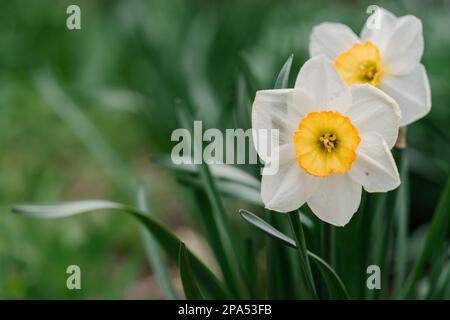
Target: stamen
x,y
328,141
368,71
360,64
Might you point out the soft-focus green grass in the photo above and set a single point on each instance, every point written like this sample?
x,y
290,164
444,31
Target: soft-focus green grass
x,y
124,70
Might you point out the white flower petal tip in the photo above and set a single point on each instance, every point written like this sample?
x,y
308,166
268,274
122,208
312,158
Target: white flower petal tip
x,y
320,79
379,23
271,121
373,110
411,92
374,167
403,48
331,39
290,187
336,200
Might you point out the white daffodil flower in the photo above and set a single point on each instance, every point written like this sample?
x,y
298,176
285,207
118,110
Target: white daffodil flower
x,y
333,140
387,56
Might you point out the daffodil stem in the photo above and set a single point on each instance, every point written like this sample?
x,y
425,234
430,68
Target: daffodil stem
x,y
299,236
402,215
332,243
327,243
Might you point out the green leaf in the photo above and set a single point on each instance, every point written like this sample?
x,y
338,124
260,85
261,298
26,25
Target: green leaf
x,y
336,289
155,258
228,258
242,113
168,241
438,271
229,189
252,82
83,128
377,231
191,290
251,268
386,213
436,235
266,228
281,261
283,77
443,283
302,250
219,171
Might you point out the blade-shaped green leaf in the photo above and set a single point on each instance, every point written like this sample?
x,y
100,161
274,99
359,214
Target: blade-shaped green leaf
x,y
228,255
155,258
80,124
266,228
219,171
168,241
191,290
251,269
229,189
439,264
281,263
443,283
283,77
242,113
270,230
302,253
336,288
252,82
436,233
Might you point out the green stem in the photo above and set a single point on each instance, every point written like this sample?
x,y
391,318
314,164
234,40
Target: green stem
x,y
402,215
327,243
332,244
323,241
280,263
299,236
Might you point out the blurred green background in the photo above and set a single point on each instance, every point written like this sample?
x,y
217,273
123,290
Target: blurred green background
x,y
81,112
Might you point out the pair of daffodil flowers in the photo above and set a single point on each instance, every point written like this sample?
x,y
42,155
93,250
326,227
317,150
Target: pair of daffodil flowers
x,y
337,126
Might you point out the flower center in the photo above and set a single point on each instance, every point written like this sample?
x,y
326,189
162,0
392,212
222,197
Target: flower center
x,y
360,64
326,143
328,140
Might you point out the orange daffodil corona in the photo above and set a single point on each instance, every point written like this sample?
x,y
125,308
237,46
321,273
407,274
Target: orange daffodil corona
x,y
333,140
386,55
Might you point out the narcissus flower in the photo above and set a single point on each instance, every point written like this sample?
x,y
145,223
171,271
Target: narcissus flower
x,y
333,140
387,55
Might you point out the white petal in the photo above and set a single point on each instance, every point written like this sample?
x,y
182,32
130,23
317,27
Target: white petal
x,y
270,112
374,111
374,167
378,27
411,92
290,187
331,39
336,199
319,78
404,47
302,104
